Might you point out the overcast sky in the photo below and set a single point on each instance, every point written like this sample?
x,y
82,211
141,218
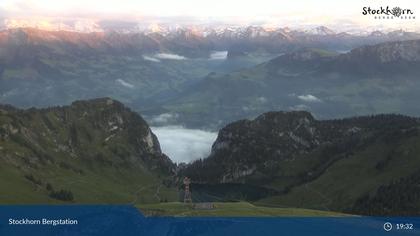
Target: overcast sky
x,y
288,12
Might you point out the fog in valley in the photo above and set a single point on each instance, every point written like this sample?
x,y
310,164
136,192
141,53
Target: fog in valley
x,y
184,145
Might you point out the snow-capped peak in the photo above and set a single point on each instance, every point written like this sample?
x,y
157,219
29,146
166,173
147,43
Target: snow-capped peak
x,y
320,30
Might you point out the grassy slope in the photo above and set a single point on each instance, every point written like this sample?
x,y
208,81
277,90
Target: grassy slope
x,y
103,185
227,209
349,178
111,179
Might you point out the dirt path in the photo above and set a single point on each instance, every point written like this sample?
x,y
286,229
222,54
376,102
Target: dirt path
x,y
142,188
157,192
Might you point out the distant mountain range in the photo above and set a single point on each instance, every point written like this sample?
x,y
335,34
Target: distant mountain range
x,y
381,78
166,28
209,78
196,41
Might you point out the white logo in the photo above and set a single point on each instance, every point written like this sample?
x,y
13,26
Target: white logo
x,y
389,13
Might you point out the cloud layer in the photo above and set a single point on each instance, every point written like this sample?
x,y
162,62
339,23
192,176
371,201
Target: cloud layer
x,y
164,119
184,145
169,56
124,83
309,98
148,58
218,55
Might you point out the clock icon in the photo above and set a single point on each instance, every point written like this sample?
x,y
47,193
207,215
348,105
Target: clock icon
x,y
387,226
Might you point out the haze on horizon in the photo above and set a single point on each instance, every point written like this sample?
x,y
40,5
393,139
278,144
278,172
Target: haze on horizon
x,y
270,13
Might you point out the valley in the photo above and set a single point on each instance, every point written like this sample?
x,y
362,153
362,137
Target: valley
x,y
99,151
265,122
367,80
210,77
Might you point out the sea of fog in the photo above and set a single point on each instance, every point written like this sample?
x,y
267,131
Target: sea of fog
x,y
184,145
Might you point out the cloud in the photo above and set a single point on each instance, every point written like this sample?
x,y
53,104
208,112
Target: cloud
x,y
164,119
218,55
184,145
125,84
169,56
341,15
148,58
309,98
261,99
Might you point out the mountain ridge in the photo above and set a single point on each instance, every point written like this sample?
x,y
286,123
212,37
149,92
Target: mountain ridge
x,y
98,150
289,158
242,37
298,131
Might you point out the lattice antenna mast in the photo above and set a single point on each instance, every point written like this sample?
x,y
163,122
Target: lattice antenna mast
x,y
187,192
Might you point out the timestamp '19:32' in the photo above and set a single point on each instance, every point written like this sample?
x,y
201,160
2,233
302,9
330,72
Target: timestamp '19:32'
x,y
406,226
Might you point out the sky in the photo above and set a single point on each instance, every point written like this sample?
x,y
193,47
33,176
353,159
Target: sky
x,y
297,12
